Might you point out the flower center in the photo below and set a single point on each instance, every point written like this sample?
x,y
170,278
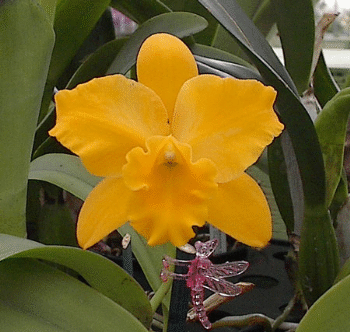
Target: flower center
x,y
170,156
168,187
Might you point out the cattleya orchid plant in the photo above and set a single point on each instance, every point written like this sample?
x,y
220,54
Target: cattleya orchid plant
x,y
172,147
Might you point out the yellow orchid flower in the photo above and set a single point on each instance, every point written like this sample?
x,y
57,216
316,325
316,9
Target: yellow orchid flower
x,y
172,148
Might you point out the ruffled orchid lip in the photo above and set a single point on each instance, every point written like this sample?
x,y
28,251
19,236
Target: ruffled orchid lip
x,y
168,189
167,156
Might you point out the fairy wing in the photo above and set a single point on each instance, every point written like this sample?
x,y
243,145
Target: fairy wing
x,y
168,261
205,249
225,270
222,287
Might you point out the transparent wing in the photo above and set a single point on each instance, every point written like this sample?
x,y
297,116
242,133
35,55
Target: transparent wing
x,y
226,270
167,261
166,273
205,249
222,287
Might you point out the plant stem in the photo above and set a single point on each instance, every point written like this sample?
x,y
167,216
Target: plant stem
x,y
158,297
288,309
242,321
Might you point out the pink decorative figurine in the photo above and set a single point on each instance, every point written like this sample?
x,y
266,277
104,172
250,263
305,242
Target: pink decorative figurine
x,y
202,273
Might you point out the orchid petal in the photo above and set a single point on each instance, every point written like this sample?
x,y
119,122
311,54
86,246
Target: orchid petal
x,y
164,64
229,121
105,118
170,192
104,210
240,210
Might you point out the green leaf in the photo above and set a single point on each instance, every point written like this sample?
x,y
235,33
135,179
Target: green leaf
x,y
102,33
97,63
262,177
331,126
237,23
74,20
55,223
141,10
263,17
280,184
217,54
324,85
330,312
340,198
225,69
342,230
26,44
215,61
344,271
99,272
49,7
318,254
65,171
178,24
261,14
297,34
192,6
37,297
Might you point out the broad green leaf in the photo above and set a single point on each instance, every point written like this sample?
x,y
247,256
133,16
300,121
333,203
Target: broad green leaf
x,y
99,272
37,297
65,171
331,126
318,254
49,7
141,10
330,312
26,44
297,34
179,24
192,6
